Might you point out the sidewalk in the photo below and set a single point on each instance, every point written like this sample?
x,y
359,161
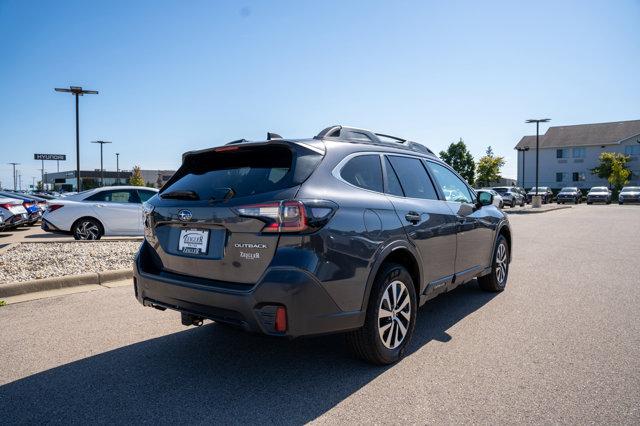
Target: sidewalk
x,y
527,209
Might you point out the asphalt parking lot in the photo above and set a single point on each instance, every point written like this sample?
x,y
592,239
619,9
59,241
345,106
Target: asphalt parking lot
x,y
560,345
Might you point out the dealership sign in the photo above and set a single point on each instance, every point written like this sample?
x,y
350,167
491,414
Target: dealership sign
x,y
61,157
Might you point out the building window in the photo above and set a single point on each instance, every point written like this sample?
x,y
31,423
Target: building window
x,y
632,150
579,152
559,177
577,177
562,153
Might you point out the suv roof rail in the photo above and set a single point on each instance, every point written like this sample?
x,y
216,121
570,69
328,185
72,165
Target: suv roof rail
x,y
355,134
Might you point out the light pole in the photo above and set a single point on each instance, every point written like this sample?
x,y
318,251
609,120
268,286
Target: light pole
x,y
14,174
537,121
117,168
524,150
77,91
101,168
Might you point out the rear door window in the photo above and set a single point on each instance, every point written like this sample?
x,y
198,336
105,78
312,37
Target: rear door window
x,y
115,196
413,177
393,183
364,171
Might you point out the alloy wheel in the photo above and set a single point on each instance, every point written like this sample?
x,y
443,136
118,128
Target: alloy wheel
x,y
394,314
501,263
87,230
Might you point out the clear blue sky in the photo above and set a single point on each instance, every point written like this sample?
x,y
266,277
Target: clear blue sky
x,y
180,75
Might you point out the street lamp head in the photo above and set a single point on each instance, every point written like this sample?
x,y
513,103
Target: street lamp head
x,y
101,142
76,90
538,120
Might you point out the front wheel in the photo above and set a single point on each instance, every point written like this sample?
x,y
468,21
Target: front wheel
x,y
390,320
87,229
496,280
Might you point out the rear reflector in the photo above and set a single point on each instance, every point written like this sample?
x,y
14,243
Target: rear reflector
x,y
281,319
54,207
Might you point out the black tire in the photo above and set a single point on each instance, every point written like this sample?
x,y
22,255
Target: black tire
x,y
496,281
609,202
87,228
620,202
522,203
367,342
588,203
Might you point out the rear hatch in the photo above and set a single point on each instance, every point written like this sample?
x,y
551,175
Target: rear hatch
x,y
214,218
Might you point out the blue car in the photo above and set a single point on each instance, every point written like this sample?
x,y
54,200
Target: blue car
x,y
30,204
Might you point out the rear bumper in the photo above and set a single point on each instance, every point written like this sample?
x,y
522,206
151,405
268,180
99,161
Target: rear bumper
x,y
49,227
310,309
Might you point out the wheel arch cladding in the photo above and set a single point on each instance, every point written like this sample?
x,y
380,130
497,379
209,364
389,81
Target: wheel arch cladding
x,y
506,233
402,256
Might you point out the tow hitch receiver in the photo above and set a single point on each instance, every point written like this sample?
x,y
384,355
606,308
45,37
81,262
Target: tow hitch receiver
x,y
188,319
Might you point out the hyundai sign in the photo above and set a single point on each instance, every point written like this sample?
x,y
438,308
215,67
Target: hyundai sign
x,y
60,157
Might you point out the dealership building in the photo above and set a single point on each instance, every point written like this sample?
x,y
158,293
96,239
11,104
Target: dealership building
x,y
567,154
66,181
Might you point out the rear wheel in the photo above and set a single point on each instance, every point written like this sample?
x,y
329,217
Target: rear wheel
x,y
497,279
390,320
87,229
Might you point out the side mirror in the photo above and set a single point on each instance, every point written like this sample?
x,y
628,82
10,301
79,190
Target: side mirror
x,y
485,199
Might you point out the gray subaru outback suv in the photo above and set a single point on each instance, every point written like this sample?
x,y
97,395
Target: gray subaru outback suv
x,y
350,231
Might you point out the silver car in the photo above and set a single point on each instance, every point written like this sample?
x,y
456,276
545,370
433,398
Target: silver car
x,y
629,194
510,195
599,194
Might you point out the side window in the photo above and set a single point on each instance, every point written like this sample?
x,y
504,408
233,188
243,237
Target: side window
x,y
413,177
364,171
116,196
145,195
452,186
393,184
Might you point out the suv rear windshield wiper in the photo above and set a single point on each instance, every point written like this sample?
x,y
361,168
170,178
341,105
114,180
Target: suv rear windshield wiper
x,y
222,194
181,195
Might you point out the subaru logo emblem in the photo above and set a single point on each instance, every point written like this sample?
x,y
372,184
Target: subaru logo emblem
x,y
184,215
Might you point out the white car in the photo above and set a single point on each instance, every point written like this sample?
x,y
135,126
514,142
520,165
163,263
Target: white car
x,y
88,215
497,199
13,213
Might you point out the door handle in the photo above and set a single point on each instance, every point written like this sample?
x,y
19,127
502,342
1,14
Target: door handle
x,y
412,217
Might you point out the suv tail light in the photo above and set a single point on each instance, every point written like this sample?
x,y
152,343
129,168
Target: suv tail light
x,y
9,205
28,204
290,216
54,207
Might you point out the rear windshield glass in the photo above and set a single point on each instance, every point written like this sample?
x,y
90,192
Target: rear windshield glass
x,y
501,190
244,170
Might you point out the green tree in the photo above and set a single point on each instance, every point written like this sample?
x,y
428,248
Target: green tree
x,y
136,177
488,168
613,168
459,157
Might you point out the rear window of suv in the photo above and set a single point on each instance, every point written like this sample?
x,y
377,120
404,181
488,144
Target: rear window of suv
x,y
247,170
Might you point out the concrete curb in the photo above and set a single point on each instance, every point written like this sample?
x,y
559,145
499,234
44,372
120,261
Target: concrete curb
x,y
55,240
99,278
536,211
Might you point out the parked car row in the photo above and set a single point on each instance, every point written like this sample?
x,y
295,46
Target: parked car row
x,y
19,209
512,195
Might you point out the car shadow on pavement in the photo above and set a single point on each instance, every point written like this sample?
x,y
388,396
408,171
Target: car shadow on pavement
x,y
214,374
